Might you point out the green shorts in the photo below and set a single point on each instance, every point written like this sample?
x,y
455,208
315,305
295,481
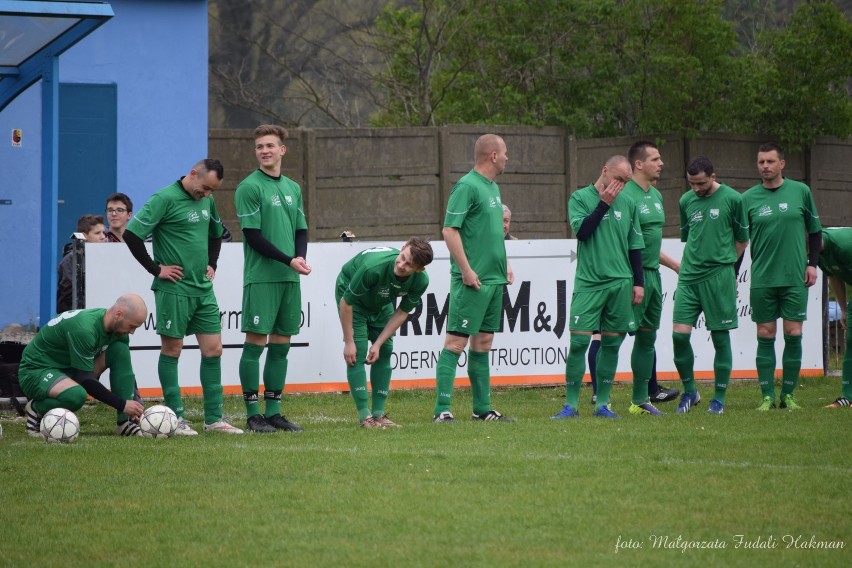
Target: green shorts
x,y
368,326
179,316
650,311
473,311
610,309
272,307
787,302
37,383
715,296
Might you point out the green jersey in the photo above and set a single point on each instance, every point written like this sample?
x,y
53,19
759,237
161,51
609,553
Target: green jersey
x,y
370,284
180,227
652,217
273,205
602,259
475,209
836,256
69,342
710,226
778,220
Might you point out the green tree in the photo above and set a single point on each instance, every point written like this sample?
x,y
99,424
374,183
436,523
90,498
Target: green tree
x,y
801,78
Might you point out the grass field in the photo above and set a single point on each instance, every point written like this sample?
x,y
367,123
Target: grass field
x,y
534,493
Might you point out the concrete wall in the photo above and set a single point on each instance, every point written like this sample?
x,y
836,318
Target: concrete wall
x,y
389,184
155,51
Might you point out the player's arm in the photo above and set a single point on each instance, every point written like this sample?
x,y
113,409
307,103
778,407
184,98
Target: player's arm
x,y
635,258
454,244
814,246
140,253
396,320
262,245
839,287
669,261
87,380
591,221
349,349
740,256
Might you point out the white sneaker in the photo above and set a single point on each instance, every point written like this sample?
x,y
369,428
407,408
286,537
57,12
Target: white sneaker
x,y
222,426
184,429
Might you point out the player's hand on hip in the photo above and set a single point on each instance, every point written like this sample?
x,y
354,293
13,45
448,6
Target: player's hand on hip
x,y
638,295
172,272
810,276
299,265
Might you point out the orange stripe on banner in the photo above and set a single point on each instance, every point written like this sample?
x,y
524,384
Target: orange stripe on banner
x,y
510,380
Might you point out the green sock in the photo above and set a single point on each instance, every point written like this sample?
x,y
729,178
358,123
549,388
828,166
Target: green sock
x,y
210,373
480,380
642,363
765,363
684,360
72,399
356,376
380,378
250,377
791,363
121,377
575,367
722,363
167,369
445,376
846,381
607,364
274,377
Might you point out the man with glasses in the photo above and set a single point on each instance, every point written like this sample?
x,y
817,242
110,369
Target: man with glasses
x,y
119,210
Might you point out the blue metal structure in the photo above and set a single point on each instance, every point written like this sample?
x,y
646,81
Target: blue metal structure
x,y
34,35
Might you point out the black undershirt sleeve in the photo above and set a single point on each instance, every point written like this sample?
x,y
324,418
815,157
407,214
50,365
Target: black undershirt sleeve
x,y
302,243
592,220
87,380
635,257
259,243
214,246
814,244
140,253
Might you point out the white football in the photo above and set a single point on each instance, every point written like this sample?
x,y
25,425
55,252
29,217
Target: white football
x,y
60,425
158,422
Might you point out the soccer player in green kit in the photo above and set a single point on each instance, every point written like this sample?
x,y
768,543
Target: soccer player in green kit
x,y
61,366
184,224
647,166
275,244
835,260
608,282
473,231
714,228
366,290
783,266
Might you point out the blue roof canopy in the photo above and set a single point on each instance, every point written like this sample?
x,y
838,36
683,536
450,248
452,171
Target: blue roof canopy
x,y
33,33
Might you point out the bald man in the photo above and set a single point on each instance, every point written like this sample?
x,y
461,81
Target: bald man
x,y
61,366
473,231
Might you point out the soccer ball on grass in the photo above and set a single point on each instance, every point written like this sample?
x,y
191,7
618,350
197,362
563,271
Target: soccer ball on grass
x,y
60,425
158,422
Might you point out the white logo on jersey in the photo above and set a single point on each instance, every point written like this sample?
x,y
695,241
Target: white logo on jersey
x,y
764,211
644,209
492,202
782,207
658,206
714,213
288,199
384,292
276,201
192,217
696,217
617,215
205,214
